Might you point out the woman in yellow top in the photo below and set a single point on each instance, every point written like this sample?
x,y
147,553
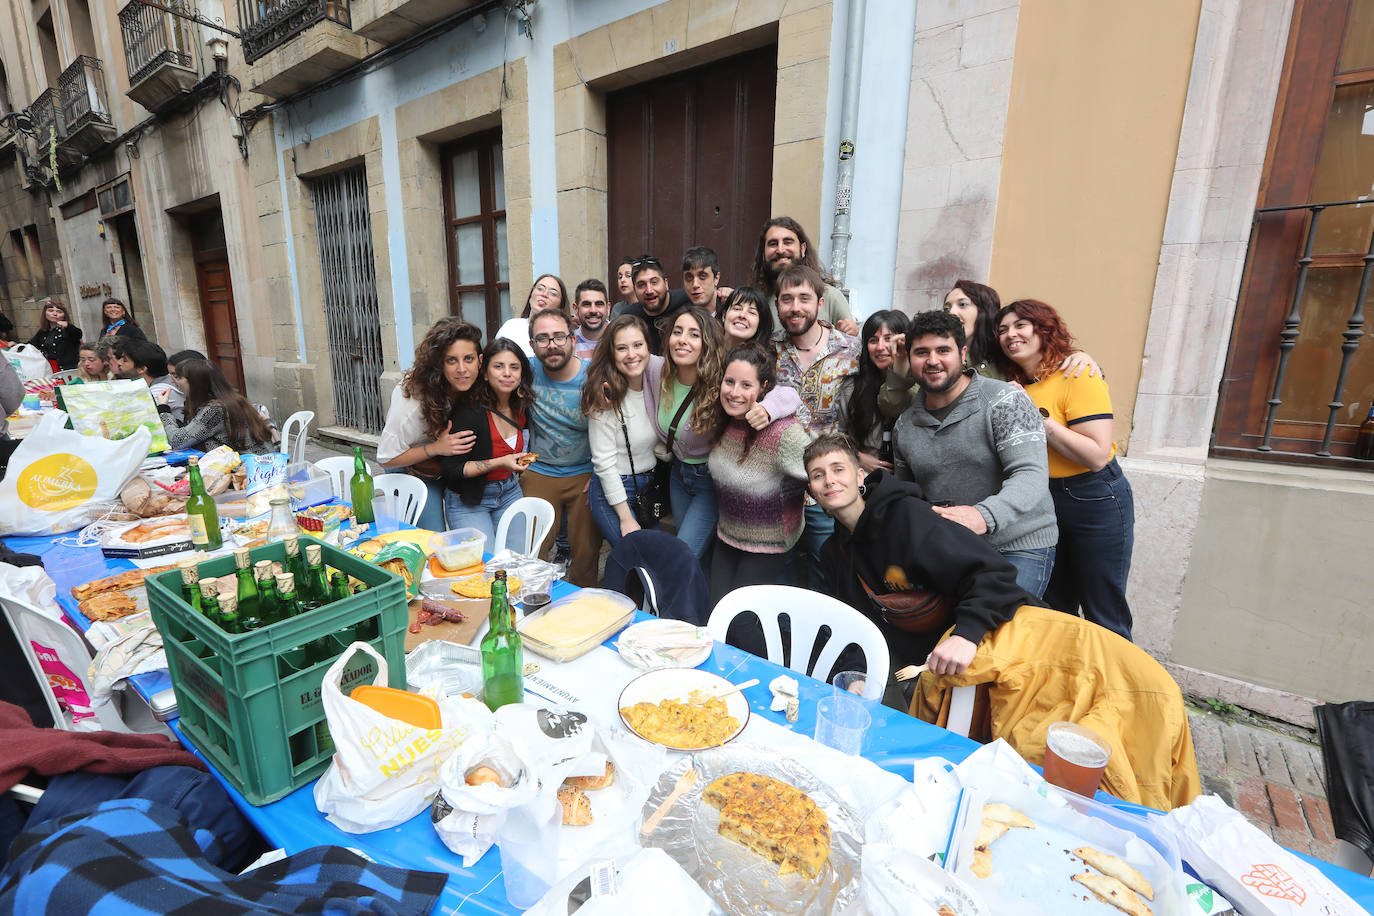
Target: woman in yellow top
x,y
1092,498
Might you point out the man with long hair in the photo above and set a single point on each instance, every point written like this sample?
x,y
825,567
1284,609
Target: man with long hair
x,y
782,244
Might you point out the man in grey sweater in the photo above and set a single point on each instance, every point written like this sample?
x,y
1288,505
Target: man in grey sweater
x,y
976,446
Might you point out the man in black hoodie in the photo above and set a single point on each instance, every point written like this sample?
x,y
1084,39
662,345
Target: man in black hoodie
x,y
885,532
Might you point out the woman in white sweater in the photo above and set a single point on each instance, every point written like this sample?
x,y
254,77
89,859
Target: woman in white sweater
x,y
621,432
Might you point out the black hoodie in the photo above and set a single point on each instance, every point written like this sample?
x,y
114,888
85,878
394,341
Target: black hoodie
x,y
899,528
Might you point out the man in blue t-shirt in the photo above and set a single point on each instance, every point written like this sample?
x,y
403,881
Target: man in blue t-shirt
x,y
558,435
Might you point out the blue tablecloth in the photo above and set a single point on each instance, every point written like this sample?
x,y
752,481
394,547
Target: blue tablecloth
x,y
894,742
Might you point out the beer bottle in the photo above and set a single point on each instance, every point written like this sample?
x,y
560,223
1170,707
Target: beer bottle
x,y
316,591
209,598
295,563
286,595
200,510
269,606
190,582
248,587
503,661
361,488
229,614
1364,439
338,586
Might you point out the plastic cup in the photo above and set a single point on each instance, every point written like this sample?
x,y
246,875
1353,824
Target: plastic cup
x,y
852,683
1075,758
384,513
534,602
841,722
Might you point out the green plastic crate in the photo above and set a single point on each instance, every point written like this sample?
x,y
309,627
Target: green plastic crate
x,y
257,717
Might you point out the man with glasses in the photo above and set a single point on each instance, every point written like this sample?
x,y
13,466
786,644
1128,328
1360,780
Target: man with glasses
x,y
558,435
592,310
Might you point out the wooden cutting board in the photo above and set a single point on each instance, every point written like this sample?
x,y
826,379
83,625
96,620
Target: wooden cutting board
x,y
461,633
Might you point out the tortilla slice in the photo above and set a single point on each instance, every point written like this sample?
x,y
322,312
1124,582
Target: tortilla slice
x,y
990,832
1116,868
982,863
1006,814
1110,890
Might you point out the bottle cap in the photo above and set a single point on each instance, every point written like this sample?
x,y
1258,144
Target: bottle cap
x,y
192,462
262,563
293,546
209,586
185,562
190,574
279,501
262,572
501,575
314,554
241,556
229,604
286,582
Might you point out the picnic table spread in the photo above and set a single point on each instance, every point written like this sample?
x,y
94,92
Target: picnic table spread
x,y
894,744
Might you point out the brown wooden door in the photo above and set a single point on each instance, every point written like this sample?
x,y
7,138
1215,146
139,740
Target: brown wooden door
x,y
217,313
690,162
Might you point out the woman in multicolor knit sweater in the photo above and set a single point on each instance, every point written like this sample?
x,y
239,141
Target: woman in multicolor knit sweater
x,y
759,478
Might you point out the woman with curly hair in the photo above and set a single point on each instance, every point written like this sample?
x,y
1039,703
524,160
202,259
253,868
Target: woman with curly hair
x,y
485,481
218,414
418,436
746,317
57,337
623,438
684,393
1092,498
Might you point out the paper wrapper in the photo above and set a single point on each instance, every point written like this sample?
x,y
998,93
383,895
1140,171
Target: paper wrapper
x,y
743,882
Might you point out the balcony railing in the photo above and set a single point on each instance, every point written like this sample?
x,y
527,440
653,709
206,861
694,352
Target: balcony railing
x,y
83,95
154,38
47,117
270,23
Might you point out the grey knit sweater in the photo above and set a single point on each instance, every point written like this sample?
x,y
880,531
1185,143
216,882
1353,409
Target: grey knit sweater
x,y
988,453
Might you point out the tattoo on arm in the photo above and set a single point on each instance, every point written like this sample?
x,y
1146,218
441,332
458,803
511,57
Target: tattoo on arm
x,y
479,468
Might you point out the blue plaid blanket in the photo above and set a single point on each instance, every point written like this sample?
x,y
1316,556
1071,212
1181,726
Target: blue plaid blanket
x,y
131,856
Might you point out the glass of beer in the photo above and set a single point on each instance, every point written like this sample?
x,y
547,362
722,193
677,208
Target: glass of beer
x,y
1075,758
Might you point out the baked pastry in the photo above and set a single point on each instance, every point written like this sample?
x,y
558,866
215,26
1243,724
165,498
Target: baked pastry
x,y
773,819
479,776
593,782
1116,868
527,459
1110,890
156,530
1006,814
988,833
108,606
577,807
129,579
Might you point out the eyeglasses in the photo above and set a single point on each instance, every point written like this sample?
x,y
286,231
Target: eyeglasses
x,y
646,261
543,340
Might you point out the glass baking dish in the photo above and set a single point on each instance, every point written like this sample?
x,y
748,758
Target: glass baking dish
x,y
574,625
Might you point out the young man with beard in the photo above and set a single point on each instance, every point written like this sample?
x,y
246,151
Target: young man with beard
x,y
592,311
656,301
887,536
558,435
976,448
820,362
783,244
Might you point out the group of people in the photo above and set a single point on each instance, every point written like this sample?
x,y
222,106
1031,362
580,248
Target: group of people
x,y
967,450
198,406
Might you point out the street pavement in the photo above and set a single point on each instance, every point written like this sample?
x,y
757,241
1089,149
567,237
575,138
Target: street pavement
x,y
1273,774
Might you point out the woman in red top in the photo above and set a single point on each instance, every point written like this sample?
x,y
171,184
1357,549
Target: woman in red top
x,y
482,484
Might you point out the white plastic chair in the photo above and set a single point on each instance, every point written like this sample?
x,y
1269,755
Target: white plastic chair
x,y
410,493
807,612
64,376
29,626
340,469
294,432
538,516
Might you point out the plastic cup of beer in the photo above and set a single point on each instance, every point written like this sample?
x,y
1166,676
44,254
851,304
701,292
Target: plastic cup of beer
x,y
1075,758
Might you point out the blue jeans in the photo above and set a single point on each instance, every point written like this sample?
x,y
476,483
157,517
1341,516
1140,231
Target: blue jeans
x,y
693,496
1033,567
819,527
433,517
605,517
497,497
1096,512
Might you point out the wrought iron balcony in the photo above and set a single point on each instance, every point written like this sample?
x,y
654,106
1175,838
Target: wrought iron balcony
x,y
85,112
47,118
267,24
157,46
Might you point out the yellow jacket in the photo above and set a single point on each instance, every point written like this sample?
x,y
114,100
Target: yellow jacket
x,y
1044,666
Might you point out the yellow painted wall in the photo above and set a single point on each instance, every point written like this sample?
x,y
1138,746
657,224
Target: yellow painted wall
x,y
1097,96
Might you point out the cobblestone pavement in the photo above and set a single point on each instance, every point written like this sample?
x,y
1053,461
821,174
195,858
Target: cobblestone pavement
x,y
1276,780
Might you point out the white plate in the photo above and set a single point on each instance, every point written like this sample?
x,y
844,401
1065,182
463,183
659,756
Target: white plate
x,y
678,684
635,645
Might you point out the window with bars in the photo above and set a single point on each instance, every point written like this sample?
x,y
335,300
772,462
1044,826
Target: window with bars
x,y
1300,372
475,230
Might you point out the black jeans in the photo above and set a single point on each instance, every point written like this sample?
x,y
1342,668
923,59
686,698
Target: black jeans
x,y
1096,512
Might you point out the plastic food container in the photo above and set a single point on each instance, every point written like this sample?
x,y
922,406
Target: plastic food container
x,y
450,668
459,548
574,625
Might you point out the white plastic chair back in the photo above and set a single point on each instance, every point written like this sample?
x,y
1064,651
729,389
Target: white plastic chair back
x,y
340,469
410,492
31,626
807,612
64,376
293,433
538,516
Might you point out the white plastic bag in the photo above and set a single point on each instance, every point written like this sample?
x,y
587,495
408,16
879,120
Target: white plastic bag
x,y
59,480
386,771
29,362
646,875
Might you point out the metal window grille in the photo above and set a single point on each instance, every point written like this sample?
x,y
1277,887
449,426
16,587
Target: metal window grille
x,y
82,86
349,283
153,37
269,23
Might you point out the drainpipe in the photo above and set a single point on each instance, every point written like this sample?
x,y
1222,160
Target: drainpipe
x,y
849,118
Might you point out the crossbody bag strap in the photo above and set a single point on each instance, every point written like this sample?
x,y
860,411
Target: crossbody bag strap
x,y
858,574
629,452
677,418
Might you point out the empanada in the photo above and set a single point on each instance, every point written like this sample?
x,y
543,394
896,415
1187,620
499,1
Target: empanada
x,y
1006,814
1116,868
1110,890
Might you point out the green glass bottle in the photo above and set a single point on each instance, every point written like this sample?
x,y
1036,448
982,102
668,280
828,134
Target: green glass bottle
x,y
503,659
269,608
190,582
209,598
248,586
229,614
338,586
361,488
316,591
200,509
295,562
299,657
